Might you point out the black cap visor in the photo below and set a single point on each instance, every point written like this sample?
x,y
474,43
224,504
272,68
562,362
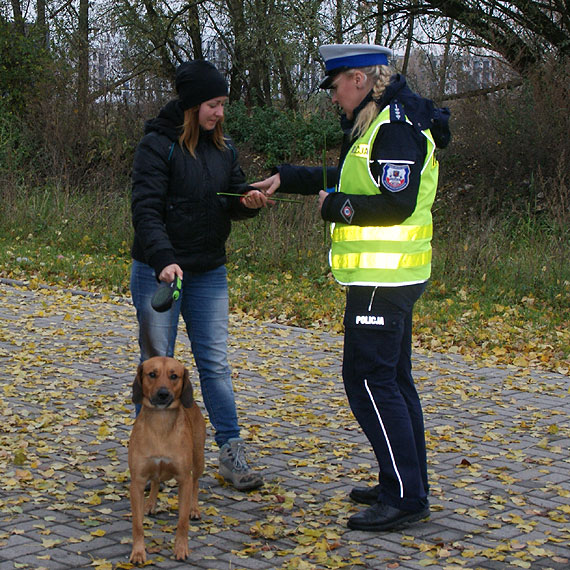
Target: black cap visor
x,y
330,77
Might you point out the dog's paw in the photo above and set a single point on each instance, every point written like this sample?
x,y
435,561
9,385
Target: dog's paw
x,y
138,556
181,550
195,515
149,507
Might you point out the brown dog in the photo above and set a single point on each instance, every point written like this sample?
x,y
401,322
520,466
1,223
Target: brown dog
x,y
167,442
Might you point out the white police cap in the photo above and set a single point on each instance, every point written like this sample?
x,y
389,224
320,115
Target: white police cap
x,y
340,57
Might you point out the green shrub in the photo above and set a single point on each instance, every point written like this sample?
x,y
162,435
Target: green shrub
x,y
282,135
510,151
23,65
15,153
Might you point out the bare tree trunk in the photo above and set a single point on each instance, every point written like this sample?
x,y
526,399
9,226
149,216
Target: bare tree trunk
x,y
83,58
41,23
408,43
257,83
445,61
18,17
258,62
338,22
289,94
159,40
194,29
379,22
266,82
82,73
237,19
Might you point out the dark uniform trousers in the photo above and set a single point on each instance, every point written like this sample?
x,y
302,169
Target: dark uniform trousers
x,y
377,374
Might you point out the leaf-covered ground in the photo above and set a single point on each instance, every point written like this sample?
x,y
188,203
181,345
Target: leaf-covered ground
x,y
521,331
526,333
498,436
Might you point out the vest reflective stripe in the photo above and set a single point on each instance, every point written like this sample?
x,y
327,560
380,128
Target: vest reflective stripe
x,y
391,261
381,233
383,255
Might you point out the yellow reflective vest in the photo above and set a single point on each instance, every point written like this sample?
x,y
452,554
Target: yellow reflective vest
x,y
390,256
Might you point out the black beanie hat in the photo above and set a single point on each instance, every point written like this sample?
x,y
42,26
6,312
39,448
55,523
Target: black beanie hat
x,y
198,81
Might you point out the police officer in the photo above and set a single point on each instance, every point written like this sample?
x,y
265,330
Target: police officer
x,y
380,211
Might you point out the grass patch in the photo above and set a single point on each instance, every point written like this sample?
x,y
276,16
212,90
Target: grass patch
x,y
499,295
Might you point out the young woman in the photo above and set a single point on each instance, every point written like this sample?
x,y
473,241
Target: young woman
x,y
181,227
381,232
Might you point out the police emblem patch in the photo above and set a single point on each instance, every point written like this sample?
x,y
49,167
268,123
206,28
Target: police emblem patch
x,y
347,211
395,177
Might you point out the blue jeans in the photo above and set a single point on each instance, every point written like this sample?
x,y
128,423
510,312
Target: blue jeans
x,y
203,303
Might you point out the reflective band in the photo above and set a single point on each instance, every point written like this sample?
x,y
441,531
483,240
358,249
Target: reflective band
x,y
380,260
386,439
385,233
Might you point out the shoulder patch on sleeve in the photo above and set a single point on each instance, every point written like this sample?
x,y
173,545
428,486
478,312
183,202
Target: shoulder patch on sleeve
x,y
397,114
395,177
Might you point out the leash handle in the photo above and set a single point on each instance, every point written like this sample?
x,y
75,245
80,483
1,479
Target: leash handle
x,y
166,294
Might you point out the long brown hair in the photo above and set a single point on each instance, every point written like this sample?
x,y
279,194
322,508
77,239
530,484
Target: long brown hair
x,y
379,77
191,131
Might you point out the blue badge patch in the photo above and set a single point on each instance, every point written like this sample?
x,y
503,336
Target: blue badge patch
x,y
395,177
347,211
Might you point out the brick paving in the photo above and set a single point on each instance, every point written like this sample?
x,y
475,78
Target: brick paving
x,y
498,443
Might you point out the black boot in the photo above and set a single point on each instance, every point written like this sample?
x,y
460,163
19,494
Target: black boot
x,y
365,495
380,517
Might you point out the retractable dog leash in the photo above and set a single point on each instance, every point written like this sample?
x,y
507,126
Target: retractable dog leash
x,y
166,294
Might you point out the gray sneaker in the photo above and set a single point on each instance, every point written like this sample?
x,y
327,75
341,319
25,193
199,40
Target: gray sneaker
x,y
234,468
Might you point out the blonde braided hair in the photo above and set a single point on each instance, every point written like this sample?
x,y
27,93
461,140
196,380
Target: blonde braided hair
x,y
379,77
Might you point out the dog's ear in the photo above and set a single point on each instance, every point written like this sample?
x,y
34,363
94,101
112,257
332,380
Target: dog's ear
x,y
187,396
137,386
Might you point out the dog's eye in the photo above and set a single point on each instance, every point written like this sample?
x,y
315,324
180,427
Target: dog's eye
x,y
152,374
173,376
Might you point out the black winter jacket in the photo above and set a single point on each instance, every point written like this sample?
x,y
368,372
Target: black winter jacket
x,y
177,215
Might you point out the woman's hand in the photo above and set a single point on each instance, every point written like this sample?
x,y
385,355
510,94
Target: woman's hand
x,y
168,274
255,199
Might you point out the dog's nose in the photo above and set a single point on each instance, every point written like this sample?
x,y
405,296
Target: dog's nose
x,y
162,397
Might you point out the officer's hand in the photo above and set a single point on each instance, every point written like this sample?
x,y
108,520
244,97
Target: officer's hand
x,y
322,197
269,185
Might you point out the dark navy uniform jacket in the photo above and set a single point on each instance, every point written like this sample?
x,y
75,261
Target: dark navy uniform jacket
x,y
396,140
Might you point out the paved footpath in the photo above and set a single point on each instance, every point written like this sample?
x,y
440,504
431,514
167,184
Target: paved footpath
x,y
498,443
